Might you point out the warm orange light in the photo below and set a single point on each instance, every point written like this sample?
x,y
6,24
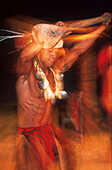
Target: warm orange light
x,y
76,38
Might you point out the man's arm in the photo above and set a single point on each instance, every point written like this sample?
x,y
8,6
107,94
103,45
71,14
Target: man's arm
x,y
106,17
24,62
72,55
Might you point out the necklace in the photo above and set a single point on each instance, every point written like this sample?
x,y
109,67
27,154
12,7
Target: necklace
x,y
44,85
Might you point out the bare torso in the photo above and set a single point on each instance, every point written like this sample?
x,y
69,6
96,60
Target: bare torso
x,y
33,110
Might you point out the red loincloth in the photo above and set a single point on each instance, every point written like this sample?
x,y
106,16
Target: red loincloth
x,y
36,149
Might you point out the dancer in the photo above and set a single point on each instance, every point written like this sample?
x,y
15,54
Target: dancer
x,y
40,69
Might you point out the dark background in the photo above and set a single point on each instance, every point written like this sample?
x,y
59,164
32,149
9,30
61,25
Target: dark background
x,y
48,10
55,9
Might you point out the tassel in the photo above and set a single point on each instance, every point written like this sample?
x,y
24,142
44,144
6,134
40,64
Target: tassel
x,y
4,37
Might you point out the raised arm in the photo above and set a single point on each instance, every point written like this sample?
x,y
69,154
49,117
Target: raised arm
x,y
24,62
91,21
79,48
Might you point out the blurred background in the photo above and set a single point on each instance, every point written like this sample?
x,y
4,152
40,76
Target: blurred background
x,y
90,113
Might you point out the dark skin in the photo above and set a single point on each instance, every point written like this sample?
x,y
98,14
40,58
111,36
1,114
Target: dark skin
x,y
33,110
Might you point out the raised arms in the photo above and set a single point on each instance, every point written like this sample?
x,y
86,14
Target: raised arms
x,y
48,35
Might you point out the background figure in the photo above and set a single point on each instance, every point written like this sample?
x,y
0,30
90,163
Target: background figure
x,y
104,67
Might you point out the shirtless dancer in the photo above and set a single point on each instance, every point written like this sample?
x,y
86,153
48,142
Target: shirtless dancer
x,y
38,65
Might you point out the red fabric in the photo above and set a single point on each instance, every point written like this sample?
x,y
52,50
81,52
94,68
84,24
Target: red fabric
x,y
104,58
45,136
